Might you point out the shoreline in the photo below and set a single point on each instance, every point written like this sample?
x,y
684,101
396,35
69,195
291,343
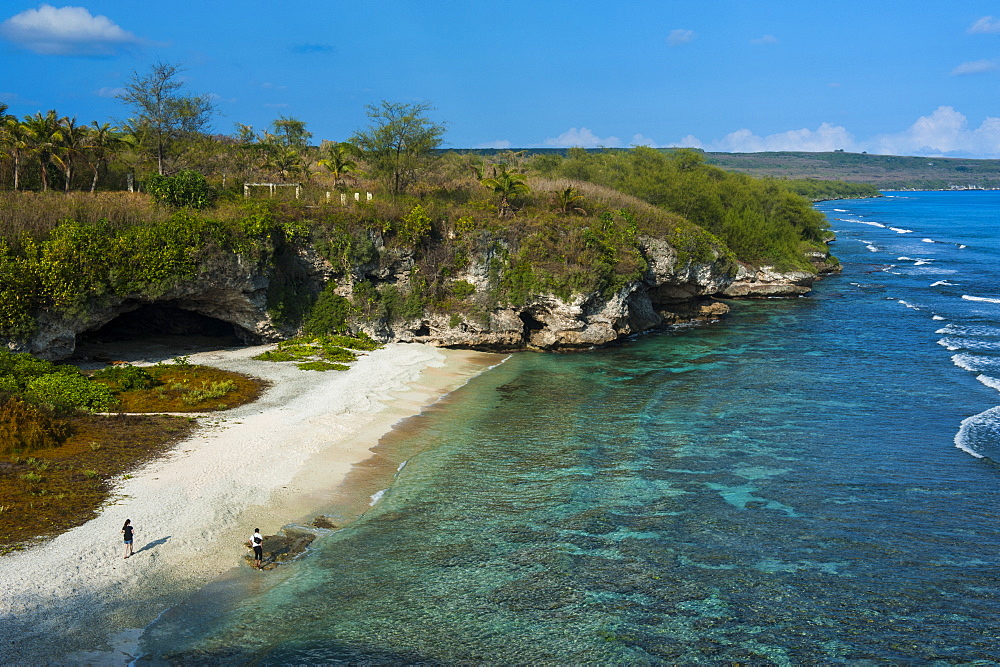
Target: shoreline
x,y
266,464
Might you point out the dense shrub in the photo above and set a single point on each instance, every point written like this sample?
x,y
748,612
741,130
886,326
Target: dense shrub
x,y
330,313
127,377
25,427
66,392
186,188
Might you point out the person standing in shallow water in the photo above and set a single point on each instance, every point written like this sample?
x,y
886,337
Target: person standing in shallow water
x,y
257,542
127,531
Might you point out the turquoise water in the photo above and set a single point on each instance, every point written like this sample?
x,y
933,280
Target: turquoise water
x,y
809,481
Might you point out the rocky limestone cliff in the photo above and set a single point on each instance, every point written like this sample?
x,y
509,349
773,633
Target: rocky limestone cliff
x,y
232,291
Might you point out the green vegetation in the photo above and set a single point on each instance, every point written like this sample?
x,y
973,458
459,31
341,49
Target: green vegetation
x,y
320,353
40,402
75,266
186,188
817,190
761,221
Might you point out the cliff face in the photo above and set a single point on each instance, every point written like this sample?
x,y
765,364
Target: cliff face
x,y
672,289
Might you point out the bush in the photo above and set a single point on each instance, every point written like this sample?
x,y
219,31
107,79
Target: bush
x,y
65,391
127,377
25,427
186,188
329,314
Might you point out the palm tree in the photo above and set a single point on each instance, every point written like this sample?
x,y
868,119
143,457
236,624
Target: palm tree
x,y
284,161
14,136
71,146
338,161
101,141
567,199
44,137
506,184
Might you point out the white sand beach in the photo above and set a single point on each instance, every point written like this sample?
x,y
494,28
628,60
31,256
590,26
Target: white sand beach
x,y
267,464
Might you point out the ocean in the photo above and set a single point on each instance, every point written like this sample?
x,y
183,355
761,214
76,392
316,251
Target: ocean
x,y
809,480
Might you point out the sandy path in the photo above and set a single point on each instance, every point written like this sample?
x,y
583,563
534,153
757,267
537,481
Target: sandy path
x,y
261,465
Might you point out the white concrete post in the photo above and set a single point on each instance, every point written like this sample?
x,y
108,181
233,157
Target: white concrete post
x,y
343,199
357,196
369,196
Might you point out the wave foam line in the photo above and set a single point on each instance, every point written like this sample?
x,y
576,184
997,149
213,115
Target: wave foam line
x,y
978,430
975,363
928,241
980,298
953,343
991,382
900,230
942,282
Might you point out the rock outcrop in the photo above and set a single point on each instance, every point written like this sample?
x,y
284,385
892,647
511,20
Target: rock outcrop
x,y
674,288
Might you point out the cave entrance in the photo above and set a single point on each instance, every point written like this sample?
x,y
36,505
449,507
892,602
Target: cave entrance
x,y
531,325
158,331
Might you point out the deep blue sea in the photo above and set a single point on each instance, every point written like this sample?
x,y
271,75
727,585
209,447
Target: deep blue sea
x,y
811,480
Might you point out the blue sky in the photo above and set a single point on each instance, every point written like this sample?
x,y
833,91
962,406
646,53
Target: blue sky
x,y
883,76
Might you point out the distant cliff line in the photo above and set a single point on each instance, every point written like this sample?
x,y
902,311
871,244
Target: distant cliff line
x,y
884,172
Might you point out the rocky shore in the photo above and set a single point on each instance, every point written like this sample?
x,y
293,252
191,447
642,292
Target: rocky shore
x,y
674,288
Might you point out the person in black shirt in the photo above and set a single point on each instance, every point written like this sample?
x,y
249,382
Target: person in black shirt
x,y
127,531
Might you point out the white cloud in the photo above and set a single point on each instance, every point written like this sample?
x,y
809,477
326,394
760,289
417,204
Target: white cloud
x,y
583,138
826,137
766,39
639,140
66,31
975,67
690,141
984,26
679,36
944,132
107,91
501,143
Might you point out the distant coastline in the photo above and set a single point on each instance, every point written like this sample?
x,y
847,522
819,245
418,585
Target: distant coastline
x,y
886,172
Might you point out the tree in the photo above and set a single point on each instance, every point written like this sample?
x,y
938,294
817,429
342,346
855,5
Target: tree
x,y
101,141
161,108
291,132
506,184
44,138
16,141
568,200
338,160
71,147
399,139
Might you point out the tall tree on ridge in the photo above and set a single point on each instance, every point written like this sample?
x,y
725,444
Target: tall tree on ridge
x,y
159,105
399,139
